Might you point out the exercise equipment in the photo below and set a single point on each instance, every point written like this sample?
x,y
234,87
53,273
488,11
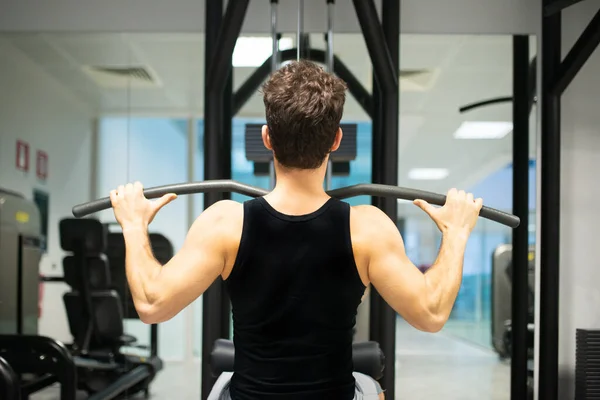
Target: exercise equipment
x,y
367,357
38,362
502,308
501,295
257,153
163,251
95,314
9,384
20,254
363,189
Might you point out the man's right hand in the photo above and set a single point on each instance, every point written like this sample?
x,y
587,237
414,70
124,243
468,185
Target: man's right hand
x,y
459,214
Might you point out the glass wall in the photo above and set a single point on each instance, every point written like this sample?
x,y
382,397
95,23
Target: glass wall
x,y
443,147
134,149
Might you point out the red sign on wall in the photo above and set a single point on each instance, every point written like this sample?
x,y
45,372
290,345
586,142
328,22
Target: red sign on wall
x,y
42,165
22,156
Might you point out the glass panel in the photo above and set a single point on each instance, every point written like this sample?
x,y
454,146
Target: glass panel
x,y
134,149
439,74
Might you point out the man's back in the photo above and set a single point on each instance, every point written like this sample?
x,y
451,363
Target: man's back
x,y
294,289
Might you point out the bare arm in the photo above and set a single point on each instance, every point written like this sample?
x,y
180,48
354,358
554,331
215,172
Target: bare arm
x,y
161,292
424,300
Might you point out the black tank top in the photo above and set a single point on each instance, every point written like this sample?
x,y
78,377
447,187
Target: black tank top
x,y
294,291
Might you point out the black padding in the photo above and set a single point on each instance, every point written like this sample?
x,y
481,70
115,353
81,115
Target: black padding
x,y
108,317
98,272
9,383
161,247
115,250
89,233
222,356
367,357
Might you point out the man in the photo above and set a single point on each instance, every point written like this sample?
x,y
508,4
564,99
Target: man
x,y
296,262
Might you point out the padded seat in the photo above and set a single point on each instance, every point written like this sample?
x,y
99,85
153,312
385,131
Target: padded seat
x,y
107,319
94,308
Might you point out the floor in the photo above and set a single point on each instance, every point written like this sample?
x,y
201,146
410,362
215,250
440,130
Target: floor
x,y
428,366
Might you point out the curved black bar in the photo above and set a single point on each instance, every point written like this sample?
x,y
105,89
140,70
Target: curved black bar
x,y
91,207
367,189
489,102
413,194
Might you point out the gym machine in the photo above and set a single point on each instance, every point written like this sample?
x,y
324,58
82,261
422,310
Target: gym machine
x,y
94,269
501,321
28,363
502,273
9,384
370,357
382,40
20,254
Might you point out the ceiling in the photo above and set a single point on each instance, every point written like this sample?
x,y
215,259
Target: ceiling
x,y
462,69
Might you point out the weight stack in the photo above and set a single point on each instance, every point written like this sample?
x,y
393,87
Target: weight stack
x,y
587,365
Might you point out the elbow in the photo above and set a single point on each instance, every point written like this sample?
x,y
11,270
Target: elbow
x,y
434,325
434,322
148,313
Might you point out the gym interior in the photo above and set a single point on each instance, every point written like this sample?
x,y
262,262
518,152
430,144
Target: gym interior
x,y
499,98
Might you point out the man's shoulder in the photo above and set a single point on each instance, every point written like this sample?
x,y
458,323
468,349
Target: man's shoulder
x,y
224,212
367,213
370,224
222,221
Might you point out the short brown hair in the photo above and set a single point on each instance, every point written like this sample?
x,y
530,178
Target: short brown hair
x,y
304,106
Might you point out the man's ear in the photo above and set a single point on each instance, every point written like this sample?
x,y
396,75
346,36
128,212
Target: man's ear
x,y
338,140
266,138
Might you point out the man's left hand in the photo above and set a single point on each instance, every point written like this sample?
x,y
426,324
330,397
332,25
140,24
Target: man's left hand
x,y
132,209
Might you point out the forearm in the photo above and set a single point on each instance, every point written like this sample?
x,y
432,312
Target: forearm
x,y
443,279
141,267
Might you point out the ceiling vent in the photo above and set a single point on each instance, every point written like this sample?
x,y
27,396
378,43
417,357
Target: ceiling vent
x,y
417,80
122,77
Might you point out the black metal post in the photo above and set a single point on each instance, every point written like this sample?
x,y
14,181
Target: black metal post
x,y
554,6
227,174
390,21
383,66
220,41
253,82
212,298
520,242
578,55
550,208
376,168
383,44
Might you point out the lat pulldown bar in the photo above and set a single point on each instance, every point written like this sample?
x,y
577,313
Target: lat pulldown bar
x,y
365,189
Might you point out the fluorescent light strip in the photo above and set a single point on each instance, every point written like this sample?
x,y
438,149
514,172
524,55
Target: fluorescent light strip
x,y
483,130
428,174
253,51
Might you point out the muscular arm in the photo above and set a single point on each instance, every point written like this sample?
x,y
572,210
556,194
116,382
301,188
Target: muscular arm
x,y
423,300
161,292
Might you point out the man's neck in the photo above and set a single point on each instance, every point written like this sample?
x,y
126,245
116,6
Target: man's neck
x,y
297,182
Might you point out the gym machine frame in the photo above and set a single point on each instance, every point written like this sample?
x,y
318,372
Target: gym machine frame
x,y
557,74
383,45
224,30
523,99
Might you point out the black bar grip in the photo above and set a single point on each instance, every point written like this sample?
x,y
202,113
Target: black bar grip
x,y
366,189
91,207
413,194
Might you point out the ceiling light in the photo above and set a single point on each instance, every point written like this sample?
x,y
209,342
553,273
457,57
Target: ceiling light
x,y
428,174
253,51
483,130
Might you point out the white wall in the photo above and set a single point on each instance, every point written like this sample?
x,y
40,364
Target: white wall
x,y
39,111
580,216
